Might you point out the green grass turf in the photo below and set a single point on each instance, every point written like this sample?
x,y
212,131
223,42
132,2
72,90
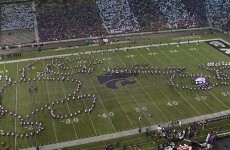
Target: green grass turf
x,y
116,110
152,143
33,54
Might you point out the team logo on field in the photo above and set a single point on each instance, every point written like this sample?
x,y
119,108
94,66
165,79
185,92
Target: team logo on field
x,y
221,46
111,80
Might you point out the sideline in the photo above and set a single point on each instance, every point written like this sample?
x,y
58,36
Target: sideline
x,y
124,133
109,50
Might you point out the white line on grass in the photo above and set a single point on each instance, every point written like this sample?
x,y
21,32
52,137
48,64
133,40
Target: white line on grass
x,y
109,50
179,65
208,91
134,97
176,90
129,132
103,105
16,106
212,54
63,89
83,101
119,103
160,90
192,90
48,93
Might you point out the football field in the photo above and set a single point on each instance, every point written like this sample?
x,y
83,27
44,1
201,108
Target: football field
x,y
91,94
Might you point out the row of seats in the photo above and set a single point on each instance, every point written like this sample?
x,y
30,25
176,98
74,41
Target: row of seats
x,y
85,18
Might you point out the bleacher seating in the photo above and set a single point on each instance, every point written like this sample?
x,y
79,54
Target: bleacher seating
x,y
196,8
148,15
219,12
17,23
117,16
84,19
70,19
17,16
52,23
176,14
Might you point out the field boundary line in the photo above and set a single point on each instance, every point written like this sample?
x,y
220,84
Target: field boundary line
x,y
64,92
71,67
48,94
125,133
135,100
109,50
208,91
177,64
120,105
156,83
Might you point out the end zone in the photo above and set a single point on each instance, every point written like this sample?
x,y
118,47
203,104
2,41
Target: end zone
x,y
220,45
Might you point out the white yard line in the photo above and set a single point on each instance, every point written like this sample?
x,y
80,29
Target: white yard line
x,y
103,105
84,103
63,89
16,106
159,89
178,65
135,100
127,133
47,87
176,90
209,91
120,104
109,50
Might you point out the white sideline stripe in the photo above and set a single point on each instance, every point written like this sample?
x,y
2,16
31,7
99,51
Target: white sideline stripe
x,y
110,50
125,133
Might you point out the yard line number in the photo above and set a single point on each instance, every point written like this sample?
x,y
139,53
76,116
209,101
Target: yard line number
x,y
201,98
68,121
130,56
173,51
153,53
143,108
106,115
227,93
173,103
106,58
193,49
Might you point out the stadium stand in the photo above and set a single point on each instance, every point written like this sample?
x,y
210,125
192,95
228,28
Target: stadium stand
x,y
17,23
176,14
17,16
219,13
72,19
84,19
52,23
69,19
148,15
197,9
117,16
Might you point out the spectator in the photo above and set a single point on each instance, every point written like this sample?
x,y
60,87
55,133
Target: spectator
x,y
117,16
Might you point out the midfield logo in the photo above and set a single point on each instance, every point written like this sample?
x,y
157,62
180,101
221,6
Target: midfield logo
x,y
110,80
221,46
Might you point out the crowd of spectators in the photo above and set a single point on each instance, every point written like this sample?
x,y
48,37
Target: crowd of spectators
x,y
17,16
72,19
148,15
197,9
52,23
117,16
84,19
176,14
219,13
